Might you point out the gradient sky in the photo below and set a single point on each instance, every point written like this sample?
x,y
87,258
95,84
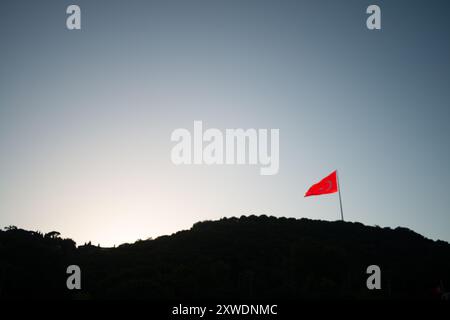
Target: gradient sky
x,y
86,116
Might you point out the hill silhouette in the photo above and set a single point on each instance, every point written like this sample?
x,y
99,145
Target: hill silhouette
x,y
248,257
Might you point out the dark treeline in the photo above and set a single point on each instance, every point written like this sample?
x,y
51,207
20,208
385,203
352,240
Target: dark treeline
x,y
248,257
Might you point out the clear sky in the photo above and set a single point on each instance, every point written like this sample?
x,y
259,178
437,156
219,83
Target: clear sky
x,y
86,116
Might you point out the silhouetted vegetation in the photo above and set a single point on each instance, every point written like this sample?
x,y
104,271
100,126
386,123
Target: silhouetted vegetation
x,y
247,257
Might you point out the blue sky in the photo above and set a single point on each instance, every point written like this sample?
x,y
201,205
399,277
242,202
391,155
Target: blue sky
x,y
86,116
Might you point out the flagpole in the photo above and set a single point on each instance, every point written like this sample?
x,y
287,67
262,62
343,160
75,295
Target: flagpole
x,y
340,198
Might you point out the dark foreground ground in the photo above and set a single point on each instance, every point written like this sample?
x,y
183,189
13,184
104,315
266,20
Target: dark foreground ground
x,y
234,258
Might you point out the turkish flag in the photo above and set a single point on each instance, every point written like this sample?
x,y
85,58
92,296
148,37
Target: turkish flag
x,y
326,185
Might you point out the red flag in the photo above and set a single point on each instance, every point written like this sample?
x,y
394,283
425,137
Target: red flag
x,y
324,186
